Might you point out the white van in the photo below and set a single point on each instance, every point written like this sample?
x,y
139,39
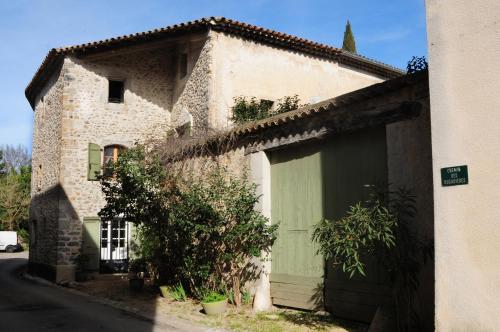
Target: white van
x,y
8,241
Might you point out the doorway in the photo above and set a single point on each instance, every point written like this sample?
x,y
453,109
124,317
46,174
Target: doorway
x,y
114,246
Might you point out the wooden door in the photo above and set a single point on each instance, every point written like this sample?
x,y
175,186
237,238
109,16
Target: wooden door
x,y
297,204
350,162
311,182
90,242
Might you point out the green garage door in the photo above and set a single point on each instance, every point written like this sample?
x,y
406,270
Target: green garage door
x,y
297,203
308,183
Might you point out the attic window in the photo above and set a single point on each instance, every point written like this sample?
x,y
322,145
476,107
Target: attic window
x,y
183,65
115,92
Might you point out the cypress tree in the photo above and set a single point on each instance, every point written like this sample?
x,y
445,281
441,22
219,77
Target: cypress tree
x,y
349,44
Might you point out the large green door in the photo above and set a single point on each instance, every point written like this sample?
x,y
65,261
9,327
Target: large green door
x,y
310,182
350,163
297,204
90,242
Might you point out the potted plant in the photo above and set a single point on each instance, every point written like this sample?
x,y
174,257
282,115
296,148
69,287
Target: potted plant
x,y
137,267
81,261
214,303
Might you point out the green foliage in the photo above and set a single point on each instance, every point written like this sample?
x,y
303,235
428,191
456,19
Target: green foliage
x,y
201,232
245,110
416,64
348,239
212,297
349,43
14,199
249,109
178,293
246,297
383,227
287,104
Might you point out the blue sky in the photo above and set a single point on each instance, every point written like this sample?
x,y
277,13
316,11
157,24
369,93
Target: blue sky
x,y
387,30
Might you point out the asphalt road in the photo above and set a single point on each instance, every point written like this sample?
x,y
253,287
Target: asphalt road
x,y
31,306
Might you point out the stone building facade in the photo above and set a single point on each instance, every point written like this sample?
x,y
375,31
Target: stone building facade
x,y
183,75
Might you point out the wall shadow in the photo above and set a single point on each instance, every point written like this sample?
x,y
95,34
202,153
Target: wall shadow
x,y
57,240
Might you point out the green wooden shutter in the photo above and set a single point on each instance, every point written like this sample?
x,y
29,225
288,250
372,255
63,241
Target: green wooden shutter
x,y
94,167
90,241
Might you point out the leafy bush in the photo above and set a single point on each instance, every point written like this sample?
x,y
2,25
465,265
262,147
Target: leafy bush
x,y
250,109
201,232
287,104
382,227
246,297
245,110
348,239
178,293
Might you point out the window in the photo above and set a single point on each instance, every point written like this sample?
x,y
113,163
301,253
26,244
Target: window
x,y
115,92
111,153
183,64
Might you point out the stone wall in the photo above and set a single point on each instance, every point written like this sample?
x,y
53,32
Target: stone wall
x,y
45,188
191,93
88,117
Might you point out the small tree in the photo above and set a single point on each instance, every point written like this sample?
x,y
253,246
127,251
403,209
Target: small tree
x,y
199,231
349,44
15,199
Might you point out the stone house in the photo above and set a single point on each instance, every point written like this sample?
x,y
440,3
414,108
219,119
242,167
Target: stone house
x,y
92,100
314,163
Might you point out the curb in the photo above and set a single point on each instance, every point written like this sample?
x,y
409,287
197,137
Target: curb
x,y
165,322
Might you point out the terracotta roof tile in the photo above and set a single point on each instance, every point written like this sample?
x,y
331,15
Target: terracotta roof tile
x,y
332,104
219,24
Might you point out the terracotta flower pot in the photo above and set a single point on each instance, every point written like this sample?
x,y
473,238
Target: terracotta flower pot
x,y
214,308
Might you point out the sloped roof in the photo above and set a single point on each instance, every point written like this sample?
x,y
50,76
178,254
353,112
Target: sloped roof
x,y
407,106
222,24
333,104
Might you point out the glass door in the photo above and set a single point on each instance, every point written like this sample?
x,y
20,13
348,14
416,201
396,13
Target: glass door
x,y
114,246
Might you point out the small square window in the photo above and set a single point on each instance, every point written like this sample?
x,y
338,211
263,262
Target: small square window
x,y
183,65
115,93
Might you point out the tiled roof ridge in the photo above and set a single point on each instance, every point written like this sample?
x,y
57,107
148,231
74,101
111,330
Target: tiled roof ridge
x,y
333,103
219,24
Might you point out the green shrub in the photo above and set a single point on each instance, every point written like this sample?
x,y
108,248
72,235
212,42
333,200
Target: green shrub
x,y
201,232
245,110
213,296
246,297
287,104
384,227
178,293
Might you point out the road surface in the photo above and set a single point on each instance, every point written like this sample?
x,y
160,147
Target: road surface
x,y
30,306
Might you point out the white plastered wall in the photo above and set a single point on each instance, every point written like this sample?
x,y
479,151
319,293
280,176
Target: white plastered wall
x,y
260,172
246,68
464,50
